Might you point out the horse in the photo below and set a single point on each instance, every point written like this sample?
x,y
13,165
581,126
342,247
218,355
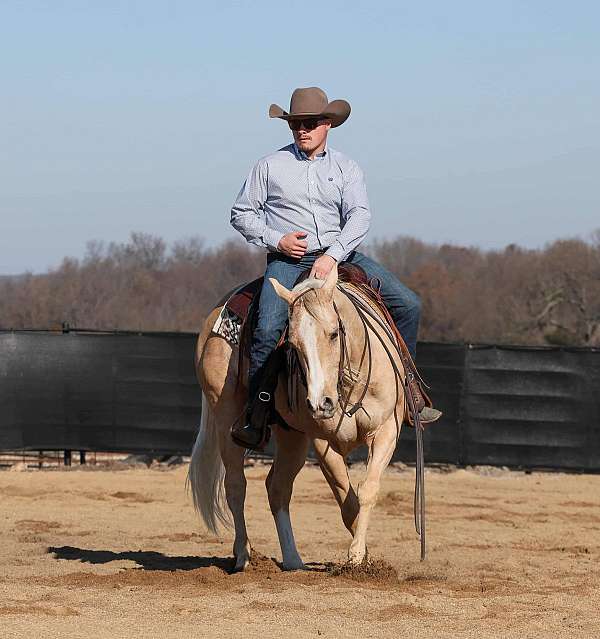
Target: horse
x,y
344,361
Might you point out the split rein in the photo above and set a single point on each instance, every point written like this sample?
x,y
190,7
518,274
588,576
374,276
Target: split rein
x,y
370,319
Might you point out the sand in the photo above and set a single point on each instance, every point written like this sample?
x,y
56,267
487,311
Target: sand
x,y
115,554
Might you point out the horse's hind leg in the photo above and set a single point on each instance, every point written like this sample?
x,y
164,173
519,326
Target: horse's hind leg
x,y
382,449
335,470
217,366
235,493
292,447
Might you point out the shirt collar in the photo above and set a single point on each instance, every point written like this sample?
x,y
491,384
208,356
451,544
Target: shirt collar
x,y
302,156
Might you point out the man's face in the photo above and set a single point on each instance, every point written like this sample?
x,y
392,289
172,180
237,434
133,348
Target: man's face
x,y
310,133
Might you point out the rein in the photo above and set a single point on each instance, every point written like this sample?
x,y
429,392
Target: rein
x,y
369,318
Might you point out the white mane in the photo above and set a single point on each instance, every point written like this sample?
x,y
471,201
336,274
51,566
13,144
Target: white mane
x,y
309,284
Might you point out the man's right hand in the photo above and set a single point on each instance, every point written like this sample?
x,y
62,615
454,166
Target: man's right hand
x,y
293,244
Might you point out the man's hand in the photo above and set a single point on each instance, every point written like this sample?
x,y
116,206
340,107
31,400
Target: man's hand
x,y
293,244
322,267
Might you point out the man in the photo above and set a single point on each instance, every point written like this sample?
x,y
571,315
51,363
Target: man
x,y
307,205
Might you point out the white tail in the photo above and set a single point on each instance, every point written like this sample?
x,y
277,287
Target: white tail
x,y
206,473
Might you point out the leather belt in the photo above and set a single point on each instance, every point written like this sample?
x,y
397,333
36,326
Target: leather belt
x,y
277,255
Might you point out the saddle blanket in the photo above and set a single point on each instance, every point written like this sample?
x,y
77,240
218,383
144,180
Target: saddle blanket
x,y
229,326
235,310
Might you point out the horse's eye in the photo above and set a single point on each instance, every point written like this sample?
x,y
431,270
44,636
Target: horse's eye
x,y
334,335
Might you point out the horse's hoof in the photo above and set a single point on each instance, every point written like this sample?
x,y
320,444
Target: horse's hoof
x,y
294,565
356,558
238,568
241,563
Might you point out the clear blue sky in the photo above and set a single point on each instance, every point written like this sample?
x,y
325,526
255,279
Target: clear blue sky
x,y
475,122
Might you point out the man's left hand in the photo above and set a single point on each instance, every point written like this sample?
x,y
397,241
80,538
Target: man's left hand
x,y
322,267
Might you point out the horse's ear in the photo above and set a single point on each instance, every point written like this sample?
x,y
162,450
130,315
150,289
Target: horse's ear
x,y
331,279
282,291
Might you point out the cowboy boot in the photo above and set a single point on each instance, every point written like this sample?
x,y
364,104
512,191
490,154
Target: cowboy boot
x,y
252,430
427,414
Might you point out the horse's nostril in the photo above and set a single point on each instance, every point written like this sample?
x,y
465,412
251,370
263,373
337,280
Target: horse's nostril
x,y
327,404
311,408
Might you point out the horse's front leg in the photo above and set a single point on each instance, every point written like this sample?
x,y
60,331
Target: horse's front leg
x,y
292,447
382,449
335,471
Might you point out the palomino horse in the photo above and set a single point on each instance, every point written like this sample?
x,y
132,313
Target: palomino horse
x,y
319,312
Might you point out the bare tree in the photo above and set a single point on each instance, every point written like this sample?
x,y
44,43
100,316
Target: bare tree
x,y
519,296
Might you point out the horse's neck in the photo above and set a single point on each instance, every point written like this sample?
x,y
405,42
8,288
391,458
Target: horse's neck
x,y
355,327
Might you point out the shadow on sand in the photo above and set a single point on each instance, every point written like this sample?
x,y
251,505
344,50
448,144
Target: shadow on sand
x,y
147,560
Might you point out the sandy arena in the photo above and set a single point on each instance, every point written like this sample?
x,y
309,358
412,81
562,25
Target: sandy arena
x,y
121,554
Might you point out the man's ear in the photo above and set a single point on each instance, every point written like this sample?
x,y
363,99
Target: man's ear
x,y
282,291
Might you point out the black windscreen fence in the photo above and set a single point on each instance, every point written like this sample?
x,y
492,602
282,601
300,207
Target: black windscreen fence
x,y
137,392
98,391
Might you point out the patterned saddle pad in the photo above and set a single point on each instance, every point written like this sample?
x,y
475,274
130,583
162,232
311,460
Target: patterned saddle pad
x,y
236,307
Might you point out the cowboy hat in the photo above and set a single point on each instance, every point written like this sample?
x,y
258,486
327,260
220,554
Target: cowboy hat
x,y
312,102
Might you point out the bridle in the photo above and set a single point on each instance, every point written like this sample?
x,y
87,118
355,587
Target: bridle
x,y
370,319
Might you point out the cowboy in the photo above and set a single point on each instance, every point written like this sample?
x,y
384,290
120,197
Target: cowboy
x,y
307,205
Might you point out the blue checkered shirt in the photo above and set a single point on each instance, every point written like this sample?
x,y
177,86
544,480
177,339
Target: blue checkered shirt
x,y
325,197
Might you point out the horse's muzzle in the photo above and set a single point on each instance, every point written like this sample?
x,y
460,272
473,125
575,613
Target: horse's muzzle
x,y
325,409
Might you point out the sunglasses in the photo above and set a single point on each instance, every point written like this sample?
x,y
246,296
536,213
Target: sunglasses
x,y
308,123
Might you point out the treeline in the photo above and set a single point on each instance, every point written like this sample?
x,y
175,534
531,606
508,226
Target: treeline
x,y
517,296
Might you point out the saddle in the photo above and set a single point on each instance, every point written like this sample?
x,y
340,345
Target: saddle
x,y
238,318
240,306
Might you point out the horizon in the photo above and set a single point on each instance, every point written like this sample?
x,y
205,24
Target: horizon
x,y
475,125
103,246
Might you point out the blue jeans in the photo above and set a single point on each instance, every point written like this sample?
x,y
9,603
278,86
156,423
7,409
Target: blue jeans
x,y
404,306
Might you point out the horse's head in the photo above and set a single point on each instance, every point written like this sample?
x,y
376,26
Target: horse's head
x,y
314,334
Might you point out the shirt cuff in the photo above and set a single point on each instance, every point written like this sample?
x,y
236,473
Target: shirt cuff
x,y
271,238
336,251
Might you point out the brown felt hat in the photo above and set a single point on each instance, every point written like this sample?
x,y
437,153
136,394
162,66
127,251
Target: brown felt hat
x,y
312,102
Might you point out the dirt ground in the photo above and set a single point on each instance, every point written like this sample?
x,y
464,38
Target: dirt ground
x,y
121,554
